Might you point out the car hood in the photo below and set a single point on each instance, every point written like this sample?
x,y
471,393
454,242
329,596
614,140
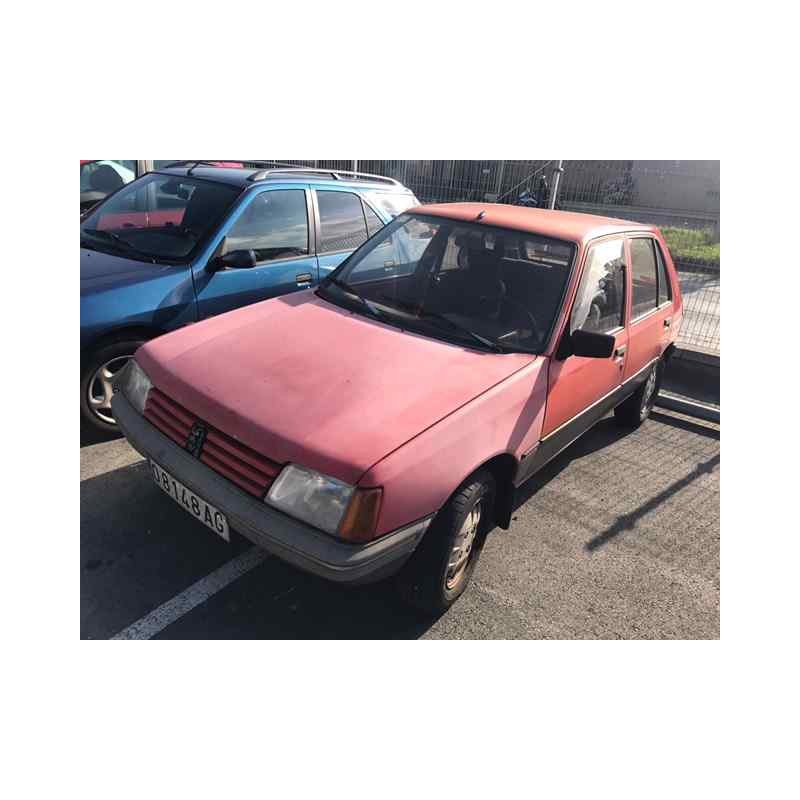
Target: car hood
x,y
101,270
301,380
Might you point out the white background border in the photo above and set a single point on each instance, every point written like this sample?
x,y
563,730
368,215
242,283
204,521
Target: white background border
x,y
410,80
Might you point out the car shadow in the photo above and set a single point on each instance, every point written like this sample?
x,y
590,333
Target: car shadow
x,y
277,601
90,436
139,550
602,435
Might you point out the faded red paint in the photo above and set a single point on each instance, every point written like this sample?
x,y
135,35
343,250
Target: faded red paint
x,y
299,379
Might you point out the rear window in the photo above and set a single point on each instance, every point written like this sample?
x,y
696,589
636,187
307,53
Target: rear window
x,y
644,274
374,222
341,219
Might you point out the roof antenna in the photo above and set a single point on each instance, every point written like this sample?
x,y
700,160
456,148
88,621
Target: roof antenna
x,y
481,215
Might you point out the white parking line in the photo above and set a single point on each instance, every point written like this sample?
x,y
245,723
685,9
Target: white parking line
x,y
197,593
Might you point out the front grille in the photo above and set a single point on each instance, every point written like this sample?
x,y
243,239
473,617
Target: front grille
x,y
238,463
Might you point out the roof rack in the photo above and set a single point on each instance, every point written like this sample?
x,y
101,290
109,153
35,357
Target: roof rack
x,y
336,174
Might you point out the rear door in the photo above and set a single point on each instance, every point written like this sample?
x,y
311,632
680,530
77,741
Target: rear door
x,y
581,390
274,223
344,222
651,305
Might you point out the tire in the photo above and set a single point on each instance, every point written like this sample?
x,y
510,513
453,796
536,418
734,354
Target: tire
x,y
113,357
428,581
632,412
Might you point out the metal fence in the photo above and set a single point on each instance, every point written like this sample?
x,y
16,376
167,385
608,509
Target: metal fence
x,y
681,197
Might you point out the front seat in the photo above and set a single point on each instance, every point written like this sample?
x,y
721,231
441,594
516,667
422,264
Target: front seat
x,y
483,285
204,208
106,179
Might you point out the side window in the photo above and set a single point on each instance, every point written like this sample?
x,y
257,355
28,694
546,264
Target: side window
x,y
342,222
664,286
374,223
600,302
274,225
644,276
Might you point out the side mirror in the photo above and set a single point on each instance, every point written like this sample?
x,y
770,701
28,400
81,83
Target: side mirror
x,y
235,259
591,345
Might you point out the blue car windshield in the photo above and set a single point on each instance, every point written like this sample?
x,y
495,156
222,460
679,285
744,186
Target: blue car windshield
x,y
489,287
158,218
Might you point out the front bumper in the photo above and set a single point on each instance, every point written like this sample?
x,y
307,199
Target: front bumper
x,y
287,538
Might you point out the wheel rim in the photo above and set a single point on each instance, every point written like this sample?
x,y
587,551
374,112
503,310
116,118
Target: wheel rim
x,y
649,391
463,547
100,391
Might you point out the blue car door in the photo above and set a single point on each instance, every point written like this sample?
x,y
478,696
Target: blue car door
x,y
344,222
274,224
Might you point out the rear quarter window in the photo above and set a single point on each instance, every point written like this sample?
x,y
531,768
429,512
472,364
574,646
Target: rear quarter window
x,y
664,285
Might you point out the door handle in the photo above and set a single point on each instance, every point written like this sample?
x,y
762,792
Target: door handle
x,y
303,278
620,351
667,322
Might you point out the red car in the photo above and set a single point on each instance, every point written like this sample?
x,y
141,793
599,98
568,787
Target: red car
x,y
381,423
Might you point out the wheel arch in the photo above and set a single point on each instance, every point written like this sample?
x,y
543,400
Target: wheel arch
x,y
502,467
144,332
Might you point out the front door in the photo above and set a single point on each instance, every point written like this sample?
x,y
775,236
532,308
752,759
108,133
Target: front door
x,y
581,390
274,224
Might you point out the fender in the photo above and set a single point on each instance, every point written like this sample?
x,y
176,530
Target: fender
x,y
492,430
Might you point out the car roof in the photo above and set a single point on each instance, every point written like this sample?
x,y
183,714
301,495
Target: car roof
x,y
243,177
567,225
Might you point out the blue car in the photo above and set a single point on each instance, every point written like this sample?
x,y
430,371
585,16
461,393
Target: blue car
x,y
193,240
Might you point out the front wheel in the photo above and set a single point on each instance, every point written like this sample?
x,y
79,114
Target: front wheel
x,y
97,373
441,567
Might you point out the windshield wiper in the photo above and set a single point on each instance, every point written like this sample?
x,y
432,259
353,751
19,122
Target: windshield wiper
x,y
496,346
118,239
346,287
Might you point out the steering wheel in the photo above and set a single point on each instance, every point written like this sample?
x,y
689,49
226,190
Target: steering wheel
x,y
526,311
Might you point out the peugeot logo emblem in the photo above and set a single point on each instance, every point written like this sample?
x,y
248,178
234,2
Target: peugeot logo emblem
x,y
196,439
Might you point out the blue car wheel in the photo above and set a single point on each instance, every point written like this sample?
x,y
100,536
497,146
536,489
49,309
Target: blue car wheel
x,y
97,373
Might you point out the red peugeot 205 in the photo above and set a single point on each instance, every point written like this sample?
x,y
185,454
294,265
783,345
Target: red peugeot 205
x,y
380,424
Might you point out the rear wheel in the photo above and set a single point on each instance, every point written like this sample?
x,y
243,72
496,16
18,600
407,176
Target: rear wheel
x,y
441,567
636,409
97,373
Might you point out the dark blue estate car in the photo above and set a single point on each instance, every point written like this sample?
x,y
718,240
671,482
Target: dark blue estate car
x,y
187,242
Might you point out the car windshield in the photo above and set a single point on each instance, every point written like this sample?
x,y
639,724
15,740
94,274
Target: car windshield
x,y
488,287
158,218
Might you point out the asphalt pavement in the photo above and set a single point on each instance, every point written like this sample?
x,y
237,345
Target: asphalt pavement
x,y
618,537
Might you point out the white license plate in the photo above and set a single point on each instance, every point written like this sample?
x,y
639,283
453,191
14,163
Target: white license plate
x,y
211,517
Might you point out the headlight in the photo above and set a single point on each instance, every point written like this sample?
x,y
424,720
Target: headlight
x,y
134,384
310,496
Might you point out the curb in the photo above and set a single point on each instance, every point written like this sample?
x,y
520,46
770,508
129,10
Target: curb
x,y
697,356
688,407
